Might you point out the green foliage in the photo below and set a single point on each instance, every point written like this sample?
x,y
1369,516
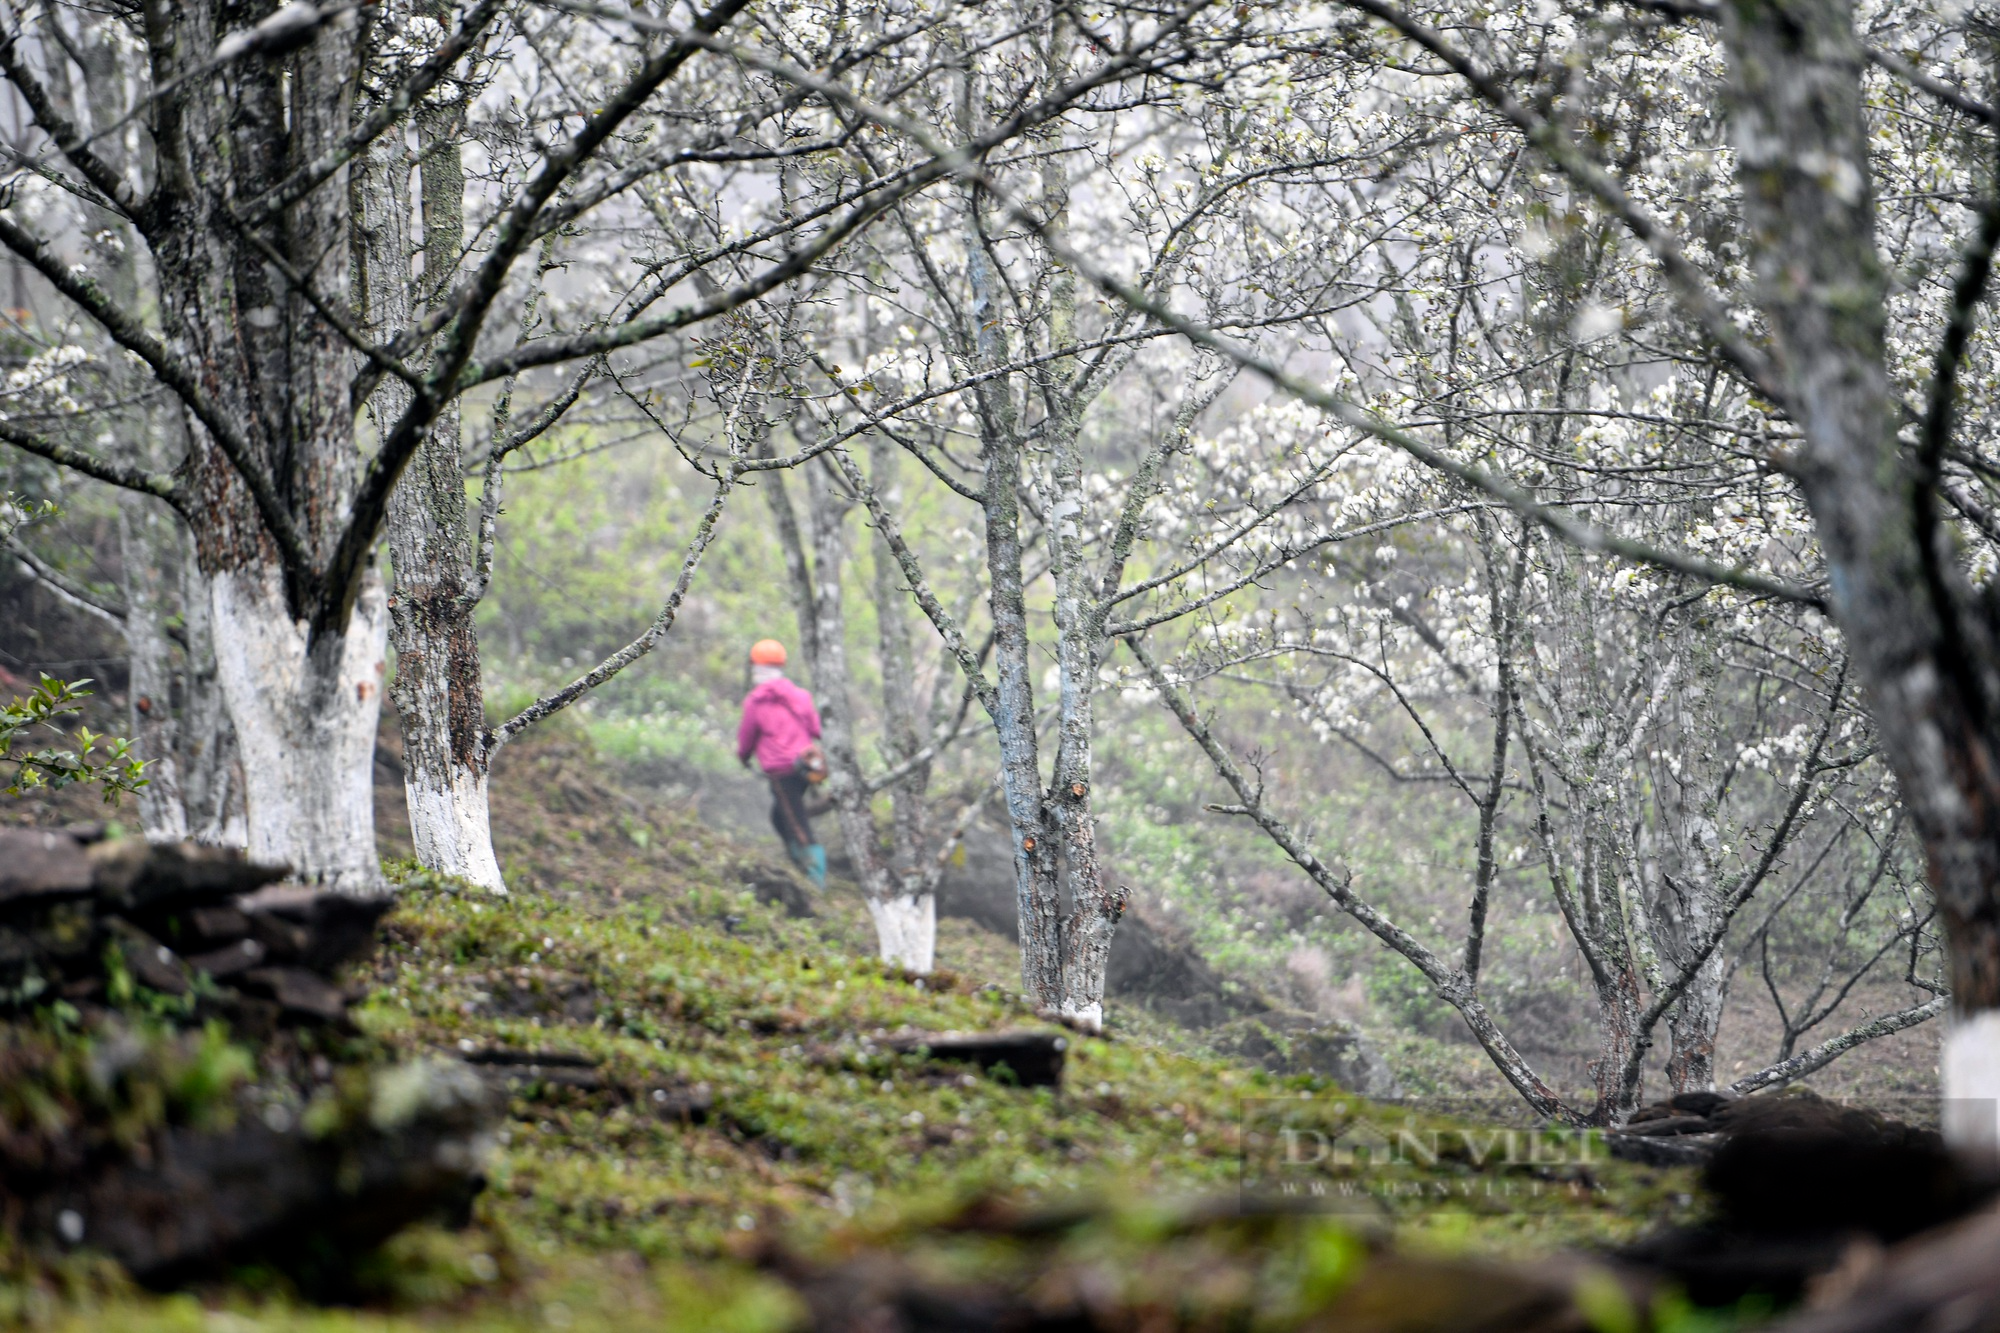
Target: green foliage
x,y
18,511
53,703
46,708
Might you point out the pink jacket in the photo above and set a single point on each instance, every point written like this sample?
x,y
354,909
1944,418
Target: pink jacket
x,y
779,721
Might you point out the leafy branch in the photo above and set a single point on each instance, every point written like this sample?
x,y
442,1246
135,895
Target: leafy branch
x,y
105,760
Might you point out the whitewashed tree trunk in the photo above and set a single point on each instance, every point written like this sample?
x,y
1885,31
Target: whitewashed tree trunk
x,y
306,711
906,929
449,824
899,875
438,688
1969,1069
905,920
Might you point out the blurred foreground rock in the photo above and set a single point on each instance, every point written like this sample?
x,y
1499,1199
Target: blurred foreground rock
x,y
1201,1266
1945,1281
1802,1186
305,1192
83,921
180,1087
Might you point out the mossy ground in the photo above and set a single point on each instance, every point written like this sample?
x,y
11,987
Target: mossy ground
x,y
648,954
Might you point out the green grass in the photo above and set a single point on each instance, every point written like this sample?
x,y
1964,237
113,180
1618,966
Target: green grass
x,y
634,942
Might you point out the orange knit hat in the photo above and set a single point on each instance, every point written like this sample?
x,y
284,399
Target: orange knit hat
x,y
767,652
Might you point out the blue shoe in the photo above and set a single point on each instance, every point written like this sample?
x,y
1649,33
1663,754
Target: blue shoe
x,y
815,865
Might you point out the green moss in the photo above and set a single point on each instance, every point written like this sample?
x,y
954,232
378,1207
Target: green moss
x,y
606,1210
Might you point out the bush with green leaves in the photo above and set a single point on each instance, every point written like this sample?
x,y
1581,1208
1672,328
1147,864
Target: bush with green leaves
x,y
106,761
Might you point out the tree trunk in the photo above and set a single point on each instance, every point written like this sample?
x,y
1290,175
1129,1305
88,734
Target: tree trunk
x,y
179,720
909,915
305,710
437,687
1036,890
1691,809
1925,654
304,704
1094,906
905,922
146,541
212,784
1692,1026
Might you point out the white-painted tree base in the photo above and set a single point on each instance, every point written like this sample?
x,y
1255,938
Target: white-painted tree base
x,y
1970,1074
305,720
906,929
1088,1017
451,828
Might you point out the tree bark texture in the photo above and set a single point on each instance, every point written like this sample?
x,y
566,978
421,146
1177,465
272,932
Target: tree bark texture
x,y
1093,905
1037,892
304,705
179,723
1924,653
1691,905
212,782
437,686
915,865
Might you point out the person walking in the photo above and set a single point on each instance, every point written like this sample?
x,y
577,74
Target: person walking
x,y
780,729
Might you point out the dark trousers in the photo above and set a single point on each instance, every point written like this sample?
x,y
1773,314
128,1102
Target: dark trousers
x,y
788,809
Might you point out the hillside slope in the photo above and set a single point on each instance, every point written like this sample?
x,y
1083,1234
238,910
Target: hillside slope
x,y
709,1120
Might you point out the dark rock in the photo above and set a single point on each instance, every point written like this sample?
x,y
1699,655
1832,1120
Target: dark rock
x,y
1796,1179
282,940
519,1079
1663,1126
514,1071
1942,1280
689,1105
267,1191
1699,1103
229,960
1034,1058
1800,1164
151,963
778,889
215,925
326,929
37,864
501,1055
133,875
299,993
1674,1150
534,1074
